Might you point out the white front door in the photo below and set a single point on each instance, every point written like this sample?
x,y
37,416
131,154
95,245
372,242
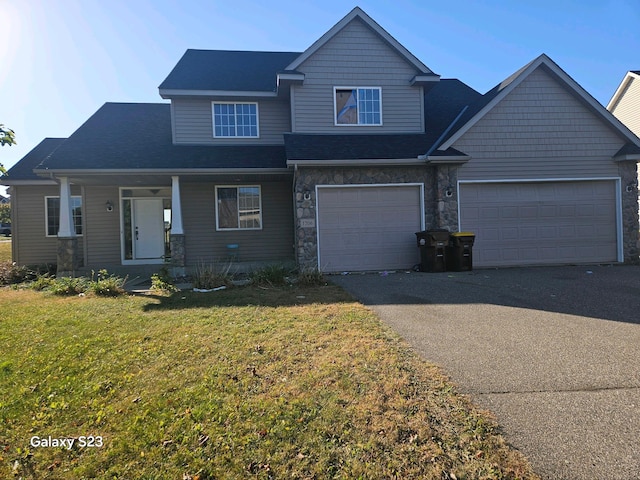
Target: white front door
x,y
148,228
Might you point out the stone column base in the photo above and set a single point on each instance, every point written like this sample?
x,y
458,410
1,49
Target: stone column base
x,y
178,255
68,256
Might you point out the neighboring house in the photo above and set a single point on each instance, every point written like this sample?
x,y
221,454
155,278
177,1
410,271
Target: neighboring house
x,y
332,157
4,200
625,105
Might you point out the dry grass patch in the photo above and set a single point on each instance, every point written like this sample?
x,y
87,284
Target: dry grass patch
x,y
5,250
245,383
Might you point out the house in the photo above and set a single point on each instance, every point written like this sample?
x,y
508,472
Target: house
x,y
333,158
625,106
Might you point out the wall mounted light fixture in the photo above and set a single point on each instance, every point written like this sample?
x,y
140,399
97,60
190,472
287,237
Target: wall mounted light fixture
x,y
306,195
448,192
109,206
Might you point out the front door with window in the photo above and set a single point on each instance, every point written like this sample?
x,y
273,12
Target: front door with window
x,y
148,228
146,215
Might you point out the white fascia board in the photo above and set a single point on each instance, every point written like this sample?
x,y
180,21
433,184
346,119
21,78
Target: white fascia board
x,y
167,94
623,85
564,77
358,162
291,77
358,12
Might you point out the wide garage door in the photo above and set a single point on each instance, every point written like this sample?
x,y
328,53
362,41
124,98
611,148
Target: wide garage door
x,y
364,228
540,223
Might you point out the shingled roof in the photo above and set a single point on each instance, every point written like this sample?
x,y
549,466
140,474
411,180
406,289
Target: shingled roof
x,y
23,170
137,136
243,71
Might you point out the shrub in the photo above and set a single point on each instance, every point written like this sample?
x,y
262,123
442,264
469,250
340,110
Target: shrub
x,y
42,282
106,285
11,273
69,286
162,281
208,276
273,275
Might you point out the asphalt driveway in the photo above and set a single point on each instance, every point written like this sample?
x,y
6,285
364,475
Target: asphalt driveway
x,y
553,352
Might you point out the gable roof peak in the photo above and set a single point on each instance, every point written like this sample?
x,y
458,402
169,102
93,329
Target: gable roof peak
x,y
500,91
357,12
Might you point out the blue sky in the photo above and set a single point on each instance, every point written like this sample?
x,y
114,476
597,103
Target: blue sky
x,y
60,60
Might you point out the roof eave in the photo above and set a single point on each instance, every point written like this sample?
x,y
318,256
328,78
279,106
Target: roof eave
x,y
173,93
155,171
358,162
629,76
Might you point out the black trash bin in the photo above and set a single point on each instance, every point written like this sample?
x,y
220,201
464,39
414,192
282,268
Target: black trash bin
x,y
433,250
460,251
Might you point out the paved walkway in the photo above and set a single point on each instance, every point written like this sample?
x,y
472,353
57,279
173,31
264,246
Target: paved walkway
x,y
553,352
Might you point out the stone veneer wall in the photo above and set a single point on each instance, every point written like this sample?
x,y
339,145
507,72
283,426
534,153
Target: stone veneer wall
x,y
630,226
440,211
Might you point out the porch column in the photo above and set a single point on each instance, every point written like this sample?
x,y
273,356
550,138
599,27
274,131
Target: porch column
x,y
176,207
177,240
66,228
67,242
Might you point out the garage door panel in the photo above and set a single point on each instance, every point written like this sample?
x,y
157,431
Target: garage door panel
x,y
368,227
556,222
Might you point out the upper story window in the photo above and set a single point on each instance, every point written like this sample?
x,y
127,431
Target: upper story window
x,y
358,105
235,120
52,205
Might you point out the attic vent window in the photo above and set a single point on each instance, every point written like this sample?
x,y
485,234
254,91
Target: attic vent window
x,y
232,120
358,106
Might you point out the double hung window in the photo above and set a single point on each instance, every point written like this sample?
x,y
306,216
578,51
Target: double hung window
x,y
358,106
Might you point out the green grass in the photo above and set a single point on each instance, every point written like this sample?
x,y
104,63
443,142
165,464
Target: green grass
x,y
249,382
5,250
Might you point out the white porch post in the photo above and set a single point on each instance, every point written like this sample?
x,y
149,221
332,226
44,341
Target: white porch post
x,y
67,228
176,207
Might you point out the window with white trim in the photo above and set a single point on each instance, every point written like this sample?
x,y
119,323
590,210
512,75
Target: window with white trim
x,y
238,207
232,120
52,206
358,105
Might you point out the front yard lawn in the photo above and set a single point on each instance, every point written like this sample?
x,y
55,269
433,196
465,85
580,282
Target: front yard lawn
x,y
245,383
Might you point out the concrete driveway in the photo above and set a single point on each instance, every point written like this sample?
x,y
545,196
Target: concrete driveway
x,y
553,352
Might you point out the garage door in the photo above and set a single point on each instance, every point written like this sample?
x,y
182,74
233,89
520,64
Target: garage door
x,y
364,228
540,223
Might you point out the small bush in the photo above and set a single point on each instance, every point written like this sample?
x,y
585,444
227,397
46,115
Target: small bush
x,y
272,275
42,282
11,273
106,285
69,286
208,276
162,281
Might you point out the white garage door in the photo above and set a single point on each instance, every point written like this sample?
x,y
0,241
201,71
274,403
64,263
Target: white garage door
x,y
540,223
364,228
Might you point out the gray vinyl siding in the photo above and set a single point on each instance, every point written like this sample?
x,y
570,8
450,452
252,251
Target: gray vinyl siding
x,y
357,57
205,244
102,228
193,122
627,109
539,130
31,246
